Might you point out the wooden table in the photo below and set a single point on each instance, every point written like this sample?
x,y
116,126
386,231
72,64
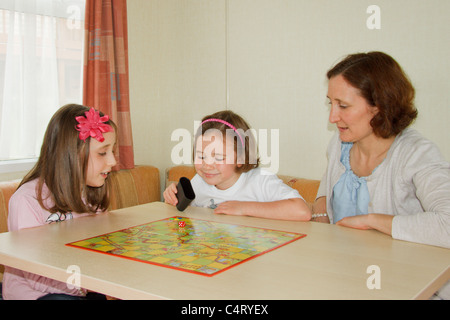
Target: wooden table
x,y
331,262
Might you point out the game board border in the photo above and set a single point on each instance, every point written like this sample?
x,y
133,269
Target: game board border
x,y
301,235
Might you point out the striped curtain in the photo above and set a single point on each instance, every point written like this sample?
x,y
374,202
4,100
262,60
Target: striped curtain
x,y
105,82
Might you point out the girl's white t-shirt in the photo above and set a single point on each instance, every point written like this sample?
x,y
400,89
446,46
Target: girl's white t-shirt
x,y
256,185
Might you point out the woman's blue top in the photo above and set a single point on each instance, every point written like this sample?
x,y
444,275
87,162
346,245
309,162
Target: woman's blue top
x,y
350,194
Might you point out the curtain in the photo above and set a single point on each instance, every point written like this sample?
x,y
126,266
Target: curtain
x,y
105,80
41,43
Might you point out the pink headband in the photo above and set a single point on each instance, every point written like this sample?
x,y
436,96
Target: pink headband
x,y
93,125
227,124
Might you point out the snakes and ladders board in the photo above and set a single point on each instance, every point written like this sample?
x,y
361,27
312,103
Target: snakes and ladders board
x,y
192,245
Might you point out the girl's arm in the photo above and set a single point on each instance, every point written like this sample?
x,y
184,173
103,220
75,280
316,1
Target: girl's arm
x,y
289,209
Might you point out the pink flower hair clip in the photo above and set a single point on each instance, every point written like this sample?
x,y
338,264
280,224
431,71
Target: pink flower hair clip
x,y
92,125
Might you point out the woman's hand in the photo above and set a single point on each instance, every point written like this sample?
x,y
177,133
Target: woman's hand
x,y
356,222
380,222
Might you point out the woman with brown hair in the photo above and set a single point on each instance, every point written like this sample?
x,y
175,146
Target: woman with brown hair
x,y
381,174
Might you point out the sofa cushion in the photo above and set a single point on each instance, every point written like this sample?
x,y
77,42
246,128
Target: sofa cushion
x,y
174,174
7,189
135,186
306,187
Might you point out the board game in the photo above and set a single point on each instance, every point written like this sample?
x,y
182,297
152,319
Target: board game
x,y
192,245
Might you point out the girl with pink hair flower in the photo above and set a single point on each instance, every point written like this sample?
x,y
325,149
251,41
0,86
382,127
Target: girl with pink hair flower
x,y
68,181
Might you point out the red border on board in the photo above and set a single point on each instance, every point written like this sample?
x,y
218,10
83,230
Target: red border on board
x,y
300,236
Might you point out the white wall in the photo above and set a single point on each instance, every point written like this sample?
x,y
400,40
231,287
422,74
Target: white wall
x,y
177,71
266,60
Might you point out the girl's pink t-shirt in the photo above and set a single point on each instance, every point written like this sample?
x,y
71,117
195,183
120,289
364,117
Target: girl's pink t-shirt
x,y
25,212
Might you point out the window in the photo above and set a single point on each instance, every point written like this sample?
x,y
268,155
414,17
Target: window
x,y
41,65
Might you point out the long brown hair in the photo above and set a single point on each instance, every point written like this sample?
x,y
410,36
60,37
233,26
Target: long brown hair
x,y
62,166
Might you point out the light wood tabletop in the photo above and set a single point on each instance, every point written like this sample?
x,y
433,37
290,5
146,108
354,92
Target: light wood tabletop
x,y
331,262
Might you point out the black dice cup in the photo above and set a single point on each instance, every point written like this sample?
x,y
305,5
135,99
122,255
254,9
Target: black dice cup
x,y
185,193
